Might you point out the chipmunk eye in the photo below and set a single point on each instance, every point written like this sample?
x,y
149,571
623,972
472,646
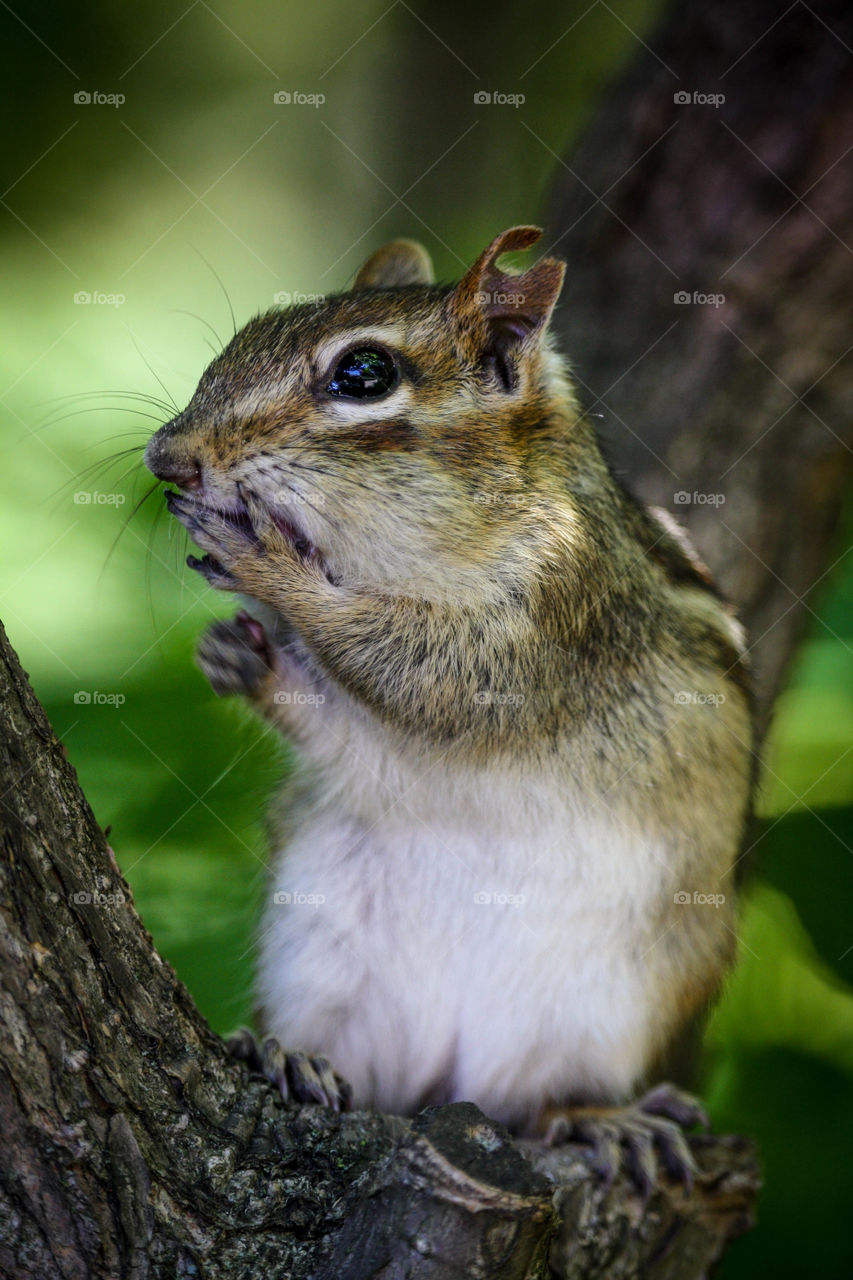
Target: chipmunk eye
x,y
364,371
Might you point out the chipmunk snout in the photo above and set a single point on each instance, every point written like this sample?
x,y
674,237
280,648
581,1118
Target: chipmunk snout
x,y
169,465
186,475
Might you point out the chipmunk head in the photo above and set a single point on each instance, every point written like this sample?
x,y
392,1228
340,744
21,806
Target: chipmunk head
x,y
388,426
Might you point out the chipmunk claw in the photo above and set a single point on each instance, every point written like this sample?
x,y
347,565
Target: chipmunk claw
x,y
643,1138
641,1161
300,1077
676,1105
605,1140
215,574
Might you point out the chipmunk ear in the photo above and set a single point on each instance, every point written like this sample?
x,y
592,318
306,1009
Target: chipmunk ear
x,y
399,263
494,312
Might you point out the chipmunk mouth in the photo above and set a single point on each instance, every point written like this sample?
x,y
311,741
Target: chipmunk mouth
x,y
303,545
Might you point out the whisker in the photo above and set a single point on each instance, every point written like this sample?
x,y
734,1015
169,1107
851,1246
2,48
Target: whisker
x,y
154,401
149,560
154,375
339,476
120,435
179,311
79,413
218,280
93,471
137,507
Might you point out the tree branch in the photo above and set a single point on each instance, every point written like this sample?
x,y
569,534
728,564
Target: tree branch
x,y
134,1146
744,407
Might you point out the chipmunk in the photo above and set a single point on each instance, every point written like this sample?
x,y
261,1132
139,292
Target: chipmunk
x,y
503,866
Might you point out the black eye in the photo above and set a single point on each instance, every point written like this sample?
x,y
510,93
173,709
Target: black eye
x,y
363,372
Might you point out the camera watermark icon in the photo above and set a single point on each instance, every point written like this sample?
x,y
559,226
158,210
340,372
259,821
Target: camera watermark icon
x,y
95,698
498,99
83,98
698,299
94,498
488,698
484,899
490,498
696,698
286,698
98,899
83,298
486,297
696,899
289,498
282,898
684,499
296,98
286,299
685,99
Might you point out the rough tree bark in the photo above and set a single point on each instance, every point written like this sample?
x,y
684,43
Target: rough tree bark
x,y
751,199
131,1144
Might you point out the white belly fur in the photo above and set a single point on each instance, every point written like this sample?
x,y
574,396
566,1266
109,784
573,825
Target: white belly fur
x,y
384,956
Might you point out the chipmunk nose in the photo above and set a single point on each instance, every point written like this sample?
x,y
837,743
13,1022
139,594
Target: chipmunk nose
x,y
171,467
186,475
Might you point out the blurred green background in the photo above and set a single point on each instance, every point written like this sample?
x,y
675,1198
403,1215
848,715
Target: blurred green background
x,y
199,173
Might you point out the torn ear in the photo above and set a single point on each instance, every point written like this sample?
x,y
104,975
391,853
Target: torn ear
x,y
495,313
399,263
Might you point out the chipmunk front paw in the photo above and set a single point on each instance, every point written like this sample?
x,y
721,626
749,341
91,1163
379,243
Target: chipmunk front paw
x,y
300,1077
642,1138
235,655
281,555
250,548
226,537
